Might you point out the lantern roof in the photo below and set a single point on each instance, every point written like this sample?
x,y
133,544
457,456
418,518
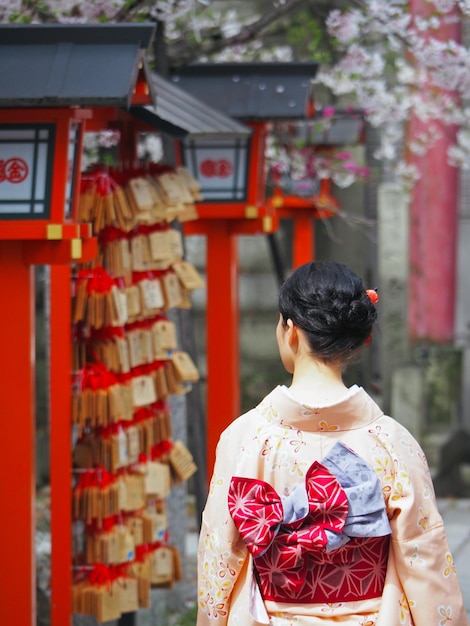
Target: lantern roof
x,y
180,114
58,65
252,91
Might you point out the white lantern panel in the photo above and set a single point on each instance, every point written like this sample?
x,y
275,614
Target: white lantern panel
x,y
18,209
26,155
16,170
41,172
220,166
71,167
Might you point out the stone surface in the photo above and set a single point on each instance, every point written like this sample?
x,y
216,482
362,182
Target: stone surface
x,y
392,255
407,398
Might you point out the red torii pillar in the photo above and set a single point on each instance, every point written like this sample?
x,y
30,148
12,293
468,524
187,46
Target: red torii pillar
x,y
433,220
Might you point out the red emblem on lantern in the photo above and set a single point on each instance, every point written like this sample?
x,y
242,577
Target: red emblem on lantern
x,y
207,168
15,170
221,168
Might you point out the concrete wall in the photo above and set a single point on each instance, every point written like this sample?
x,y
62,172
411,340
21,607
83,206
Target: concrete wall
x,y
462,325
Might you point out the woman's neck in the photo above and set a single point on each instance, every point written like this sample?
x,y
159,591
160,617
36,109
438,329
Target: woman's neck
x,y
317,382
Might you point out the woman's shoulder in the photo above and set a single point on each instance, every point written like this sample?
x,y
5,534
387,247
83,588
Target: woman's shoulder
x,y
244,421
395,426
397,438
251,418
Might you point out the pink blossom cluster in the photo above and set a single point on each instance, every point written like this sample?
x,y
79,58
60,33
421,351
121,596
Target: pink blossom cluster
x,y
76,11
309,163
396,65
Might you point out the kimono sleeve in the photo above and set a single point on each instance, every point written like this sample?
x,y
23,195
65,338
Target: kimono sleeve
x,y
419,544
221,552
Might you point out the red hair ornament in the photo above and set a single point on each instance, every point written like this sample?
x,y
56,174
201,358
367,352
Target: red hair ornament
x,y
373,295
374,298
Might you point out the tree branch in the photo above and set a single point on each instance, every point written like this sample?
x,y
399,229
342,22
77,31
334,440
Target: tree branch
x,y
182,52
123,14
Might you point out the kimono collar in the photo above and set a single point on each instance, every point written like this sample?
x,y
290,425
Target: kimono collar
x,y
355,410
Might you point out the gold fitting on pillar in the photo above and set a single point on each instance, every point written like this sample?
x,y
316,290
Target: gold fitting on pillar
x,y
267,224
76,248
54,231
251,212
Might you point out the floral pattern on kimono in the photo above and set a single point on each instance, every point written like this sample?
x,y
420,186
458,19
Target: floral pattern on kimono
x,y
278,445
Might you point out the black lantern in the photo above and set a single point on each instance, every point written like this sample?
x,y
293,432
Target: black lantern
x,y
220,164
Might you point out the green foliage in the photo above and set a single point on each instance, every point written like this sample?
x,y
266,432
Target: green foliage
x,y
18,18
308,38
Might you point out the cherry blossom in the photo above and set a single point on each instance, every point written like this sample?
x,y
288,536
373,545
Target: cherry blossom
x,y
393,65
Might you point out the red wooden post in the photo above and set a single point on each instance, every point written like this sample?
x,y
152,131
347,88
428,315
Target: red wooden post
x,y
257,176
433,223
61,445
304,239
17,460
223,351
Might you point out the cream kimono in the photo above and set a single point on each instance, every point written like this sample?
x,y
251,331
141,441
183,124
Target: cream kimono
x,y
281,451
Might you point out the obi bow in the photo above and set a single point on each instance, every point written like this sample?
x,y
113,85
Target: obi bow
x,y
341,498
298,521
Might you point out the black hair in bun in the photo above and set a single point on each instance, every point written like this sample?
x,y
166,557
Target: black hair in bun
x,y
328,301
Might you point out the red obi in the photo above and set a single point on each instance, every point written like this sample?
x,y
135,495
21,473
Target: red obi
x,y
354,572
294,540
